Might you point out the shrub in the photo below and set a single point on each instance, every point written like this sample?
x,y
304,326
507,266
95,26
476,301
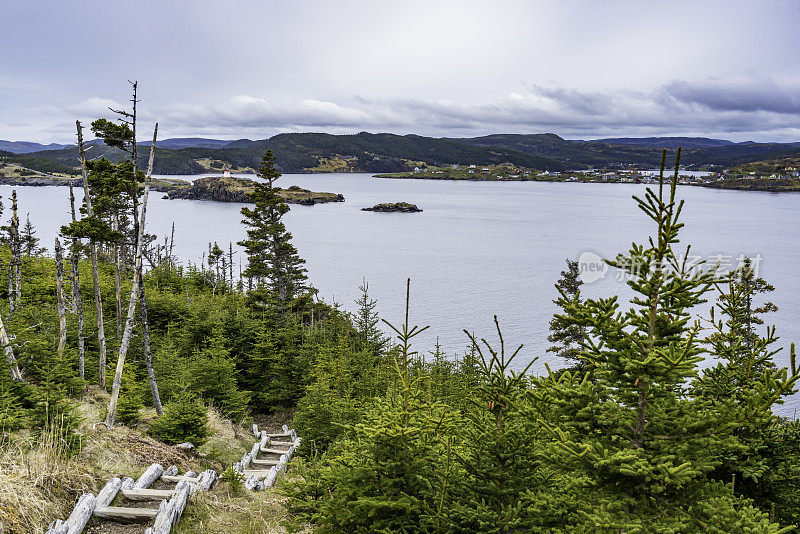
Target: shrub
x,y
184,419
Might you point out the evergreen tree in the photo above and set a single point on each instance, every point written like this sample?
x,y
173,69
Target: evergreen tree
x,y
366,322
184,419
635,431
30,243
272,259
567,335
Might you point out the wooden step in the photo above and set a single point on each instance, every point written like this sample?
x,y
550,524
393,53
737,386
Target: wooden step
x,y
178,478
282,443
287,435
148,494
265,462
274,451
118,513
260,473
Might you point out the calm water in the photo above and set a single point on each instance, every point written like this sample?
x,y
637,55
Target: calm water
x,y
479,248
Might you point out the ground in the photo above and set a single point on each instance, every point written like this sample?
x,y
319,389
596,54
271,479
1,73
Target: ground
x,y
38,483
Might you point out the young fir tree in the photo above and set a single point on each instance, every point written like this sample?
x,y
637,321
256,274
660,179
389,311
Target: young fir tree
x,y
272,259
501,458
366,321
29,241
643,442
567,335
764,463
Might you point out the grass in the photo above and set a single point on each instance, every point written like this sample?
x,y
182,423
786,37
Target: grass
x,y
40,480
235,512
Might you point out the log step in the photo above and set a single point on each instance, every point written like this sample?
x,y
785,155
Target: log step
x,y
274,451
265,462
287,435
178,478
282,443
118,513
148,494
260,473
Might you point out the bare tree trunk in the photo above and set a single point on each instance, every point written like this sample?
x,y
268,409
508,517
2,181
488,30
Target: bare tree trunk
x,y
148,357
171,244
117,282
62,317
9,350
98,302
15,267
230,261
137,275
77,299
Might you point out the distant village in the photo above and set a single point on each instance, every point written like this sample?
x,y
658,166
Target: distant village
x,y
510,172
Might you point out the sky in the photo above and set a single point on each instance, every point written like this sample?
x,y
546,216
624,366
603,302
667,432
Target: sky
x,y
233,69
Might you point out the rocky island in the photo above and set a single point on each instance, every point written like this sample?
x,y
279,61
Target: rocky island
x,y
230,189
403,207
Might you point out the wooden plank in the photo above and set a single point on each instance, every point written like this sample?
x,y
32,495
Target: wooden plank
x,y
282,443
283,435
147,494
257,472
266,462
274,451
178,478
118,513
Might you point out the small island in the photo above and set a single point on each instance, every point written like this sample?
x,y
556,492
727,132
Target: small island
x,y
230,189
402,207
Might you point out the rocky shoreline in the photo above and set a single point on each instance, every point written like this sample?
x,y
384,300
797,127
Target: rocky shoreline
x,y
229,189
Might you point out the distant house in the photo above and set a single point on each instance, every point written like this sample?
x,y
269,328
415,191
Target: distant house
x,y
455,165
416,170
226,173
470,172
472,166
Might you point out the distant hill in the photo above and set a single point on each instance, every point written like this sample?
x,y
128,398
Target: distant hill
x,y
665,142
387,153
315,152
189,142
601,153
26,147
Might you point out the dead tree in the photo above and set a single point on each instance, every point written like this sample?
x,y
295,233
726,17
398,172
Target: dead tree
x,y
137,275
77,299
9,350
15,266
148,356
62,317
117,281
98,302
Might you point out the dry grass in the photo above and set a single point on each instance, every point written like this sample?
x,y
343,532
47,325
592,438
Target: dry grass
x,y
235,513
40,481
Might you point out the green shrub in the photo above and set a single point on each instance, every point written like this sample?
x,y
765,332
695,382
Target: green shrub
x,y
184,419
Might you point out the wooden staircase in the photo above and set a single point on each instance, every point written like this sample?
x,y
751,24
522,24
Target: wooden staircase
x,y
137,500
171,501
277,450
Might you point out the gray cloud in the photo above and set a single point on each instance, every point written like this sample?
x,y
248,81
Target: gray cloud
x,y
731,68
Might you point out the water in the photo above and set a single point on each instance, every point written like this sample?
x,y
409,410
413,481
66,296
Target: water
x,y
478,248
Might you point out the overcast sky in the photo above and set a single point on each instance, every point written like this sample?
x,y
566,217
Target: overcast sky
x,y
232,69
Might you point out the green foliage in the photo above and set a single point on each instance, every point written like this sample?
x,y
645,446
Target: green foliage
x,y
184,419
567,335
130,399
272,260
211,374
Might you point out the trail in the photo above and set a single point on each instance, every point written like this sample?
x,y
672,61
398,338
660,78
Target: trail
x,y
124,504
